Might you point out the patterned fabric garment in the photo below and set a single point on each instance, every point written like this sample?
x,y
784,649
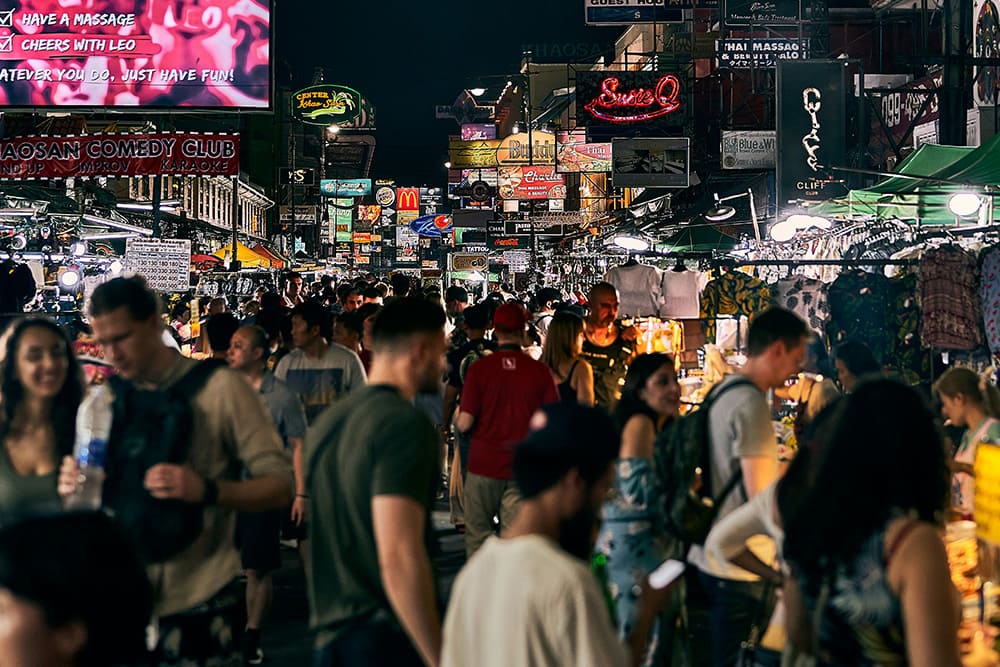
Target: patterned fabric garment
x,y
733,293
907,356
989,293
949,298
804,296
861,309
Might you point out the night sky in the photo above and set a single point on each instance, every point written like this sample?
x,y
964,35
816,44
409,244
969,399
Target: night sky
x,y
407,57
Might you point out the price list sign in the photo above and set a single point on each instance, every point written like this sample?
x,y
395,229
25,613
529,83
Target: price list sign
x,y
164,263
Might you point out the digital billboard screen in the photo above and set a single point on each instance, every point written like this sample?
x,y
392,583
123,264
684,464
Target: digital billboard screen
x,y
132,53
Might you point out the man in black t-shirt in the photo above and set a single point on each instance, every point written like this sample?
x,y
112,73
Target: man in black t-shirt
x,y
608,346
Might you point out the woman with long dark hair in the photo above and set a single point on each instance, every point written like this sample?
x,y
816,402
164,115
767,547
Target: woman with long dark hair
x,y
862,513
627,541
40,389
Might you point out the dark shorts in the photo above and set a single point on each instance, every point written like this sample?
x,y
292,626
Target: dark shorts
x,y
205,635
368,642
258,535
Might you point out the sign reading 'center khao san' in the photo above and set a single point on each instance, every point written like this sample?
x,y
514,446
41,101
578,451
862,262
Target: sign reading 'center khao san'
x,y
326,104
629,98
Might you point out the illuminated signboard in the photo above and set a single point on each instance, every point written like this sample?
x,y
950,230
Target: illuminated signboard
x,y
651,163
407,199
515,148
326,105
478,131
345,187
574,154
531,183
342,213
432,226
473,154
628,98
136,53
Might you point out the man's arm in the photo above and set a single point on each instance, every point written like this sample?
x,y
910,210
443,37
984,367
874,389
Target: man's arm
x,y
465,422
175,482
301,501
759,472
399,524
450,401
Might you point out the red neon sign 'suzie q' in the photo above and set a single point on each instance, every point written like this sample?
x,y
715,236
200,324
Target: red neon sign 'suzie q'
x,y
636,105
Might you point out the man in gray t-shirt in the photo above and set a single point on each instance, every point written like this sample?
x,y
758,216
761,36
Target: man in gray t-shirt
x,y
740,430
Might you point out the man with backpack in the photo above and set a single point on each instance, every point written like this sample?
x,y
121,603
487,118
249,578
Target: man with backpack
x,y
182,432
742,457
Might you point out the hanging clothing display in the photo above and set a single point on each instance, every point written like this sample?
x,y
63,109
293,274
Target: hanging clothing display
x,y
907,357
732,293
989,294
861,308
681,292
804,296
638,289
949,298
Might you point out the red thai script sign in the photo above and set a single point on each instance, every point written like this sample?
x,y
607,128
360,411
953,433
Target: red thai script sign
x,y
635,105
166,153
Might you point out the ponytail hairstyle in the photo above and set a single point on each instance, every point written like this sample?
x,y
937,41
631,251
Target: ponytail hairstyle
x,y
975,388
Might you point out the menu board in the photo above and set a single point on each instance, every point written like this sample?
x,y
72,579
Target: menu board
x,y
164,263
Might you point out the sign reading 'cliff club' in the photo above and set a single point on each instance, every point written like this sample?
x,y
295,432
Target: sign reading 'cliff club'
x,y
629,98
326,104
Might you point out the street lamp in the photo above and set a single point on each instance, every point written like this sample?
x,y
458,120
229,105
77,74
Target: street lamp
x,y
477,91
721,212
633,243
965,204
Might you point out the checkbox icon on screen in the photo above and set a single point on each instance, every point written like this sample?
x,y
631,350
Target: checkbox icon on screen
x,y
7,19
7,44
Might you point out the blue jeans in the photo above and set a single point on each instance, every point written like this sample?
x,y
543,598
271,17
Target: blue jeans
x,y
733,605
373,640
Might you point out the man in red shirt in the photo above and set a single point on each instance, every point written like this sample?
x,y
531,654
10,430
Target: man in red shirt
x,y
501,393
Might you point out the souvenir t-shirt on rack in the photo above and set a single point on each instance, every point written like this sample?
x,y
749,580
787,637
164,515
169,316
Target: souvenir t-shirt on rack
x,y
681,291
949,298
861,308
989,293
638,289
907,357
733,293
804,296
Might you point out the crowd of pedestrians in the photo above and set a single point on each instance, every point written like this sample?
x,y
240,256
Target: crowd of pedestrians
x,y
324,416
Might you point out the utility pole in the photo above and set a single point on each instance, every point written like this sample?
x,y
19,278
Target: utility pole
x,y
957,25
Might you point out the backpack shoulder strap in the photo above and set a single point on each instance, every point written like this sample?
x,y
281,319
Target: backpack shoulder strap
x,y
736,476
191,382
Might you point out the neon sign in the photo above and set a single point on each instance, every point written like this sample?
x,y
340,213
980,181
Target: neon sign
x,y
636,105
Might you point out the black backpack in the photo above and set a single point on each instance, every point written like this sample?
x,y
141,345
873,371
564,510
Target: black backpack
x,y
151,427
682,449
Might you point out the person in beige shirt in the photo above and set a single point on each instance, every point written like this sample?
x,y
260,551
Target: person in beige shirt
x,y
230,431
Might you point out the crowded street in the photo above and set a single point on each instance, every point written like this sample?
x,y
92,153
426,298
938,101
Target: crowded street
x,y
591,333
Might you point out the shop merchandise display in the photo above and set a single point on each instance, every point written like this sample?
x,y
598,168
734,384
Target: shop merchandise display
x,y
952,309
733,293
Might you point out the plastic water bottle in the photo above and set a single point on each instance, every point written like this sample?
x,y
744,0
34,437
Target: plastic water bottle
x,y
93,427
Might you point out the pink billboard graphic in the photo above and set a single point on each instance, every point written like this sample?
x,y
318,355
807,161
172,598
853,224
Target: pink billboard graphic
x,y
128,53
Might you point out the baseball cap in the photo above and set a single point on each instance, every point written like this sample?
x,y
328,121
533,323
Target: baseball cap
x,y
510,318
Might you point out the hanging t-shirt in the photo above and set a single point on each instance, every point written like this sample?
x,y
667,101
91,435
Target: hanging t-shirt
x,y
733,293
861,309
681,291
638,289
949,298
804,296
906,356
989,293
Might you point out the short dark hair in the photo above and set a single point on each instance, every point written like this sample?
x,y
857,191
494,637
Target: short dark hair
x,y
288,275
400,284
772,326
858,358
456,293
570,436
343,290
371,293
314,315
220,329
133,294
547,294
405,318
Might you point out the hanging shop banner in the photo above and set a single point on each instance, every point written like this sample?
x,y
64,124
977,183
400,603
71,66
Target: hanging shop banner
x,y
407,199
629,99
575,155
986,44
342,213
515,150
164,263
345,187
475,154
432,226
651,163
901,111
531,183
326,104
812,129
167,153
407,246
627,12
301,214
136,53
757,53
509,242
478,131
757,13
753,149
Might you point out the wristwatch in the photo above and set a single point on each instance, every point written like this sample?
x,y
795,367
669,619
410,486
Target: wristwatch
x,y
211,495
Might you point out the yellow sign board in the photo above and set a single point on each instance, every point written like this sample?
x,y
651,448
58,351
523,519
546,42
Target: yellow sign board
x,y
987,499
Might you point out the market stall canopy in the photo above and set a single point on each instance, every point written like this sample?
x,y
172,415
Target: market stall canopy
x,y
247,257
277,261
205,262
926,181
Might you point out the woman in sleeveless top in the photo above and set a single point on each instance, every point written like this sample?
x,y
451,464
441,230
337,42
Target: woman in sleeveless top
x,y
40,389
868,580
563,343
971,402
627,540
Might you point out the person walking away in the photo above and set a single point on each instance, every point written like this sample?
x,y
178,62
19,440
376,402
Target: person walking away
x,y
563,345
608,347
41,386
529,598
260,532
456,300
220,329
196,603
501,393
319,372
974,403
373,467
629,540
742,442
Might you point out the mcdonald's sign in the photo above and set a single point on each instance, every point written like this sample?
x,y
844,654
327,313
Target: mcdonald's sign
x,y
407,199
